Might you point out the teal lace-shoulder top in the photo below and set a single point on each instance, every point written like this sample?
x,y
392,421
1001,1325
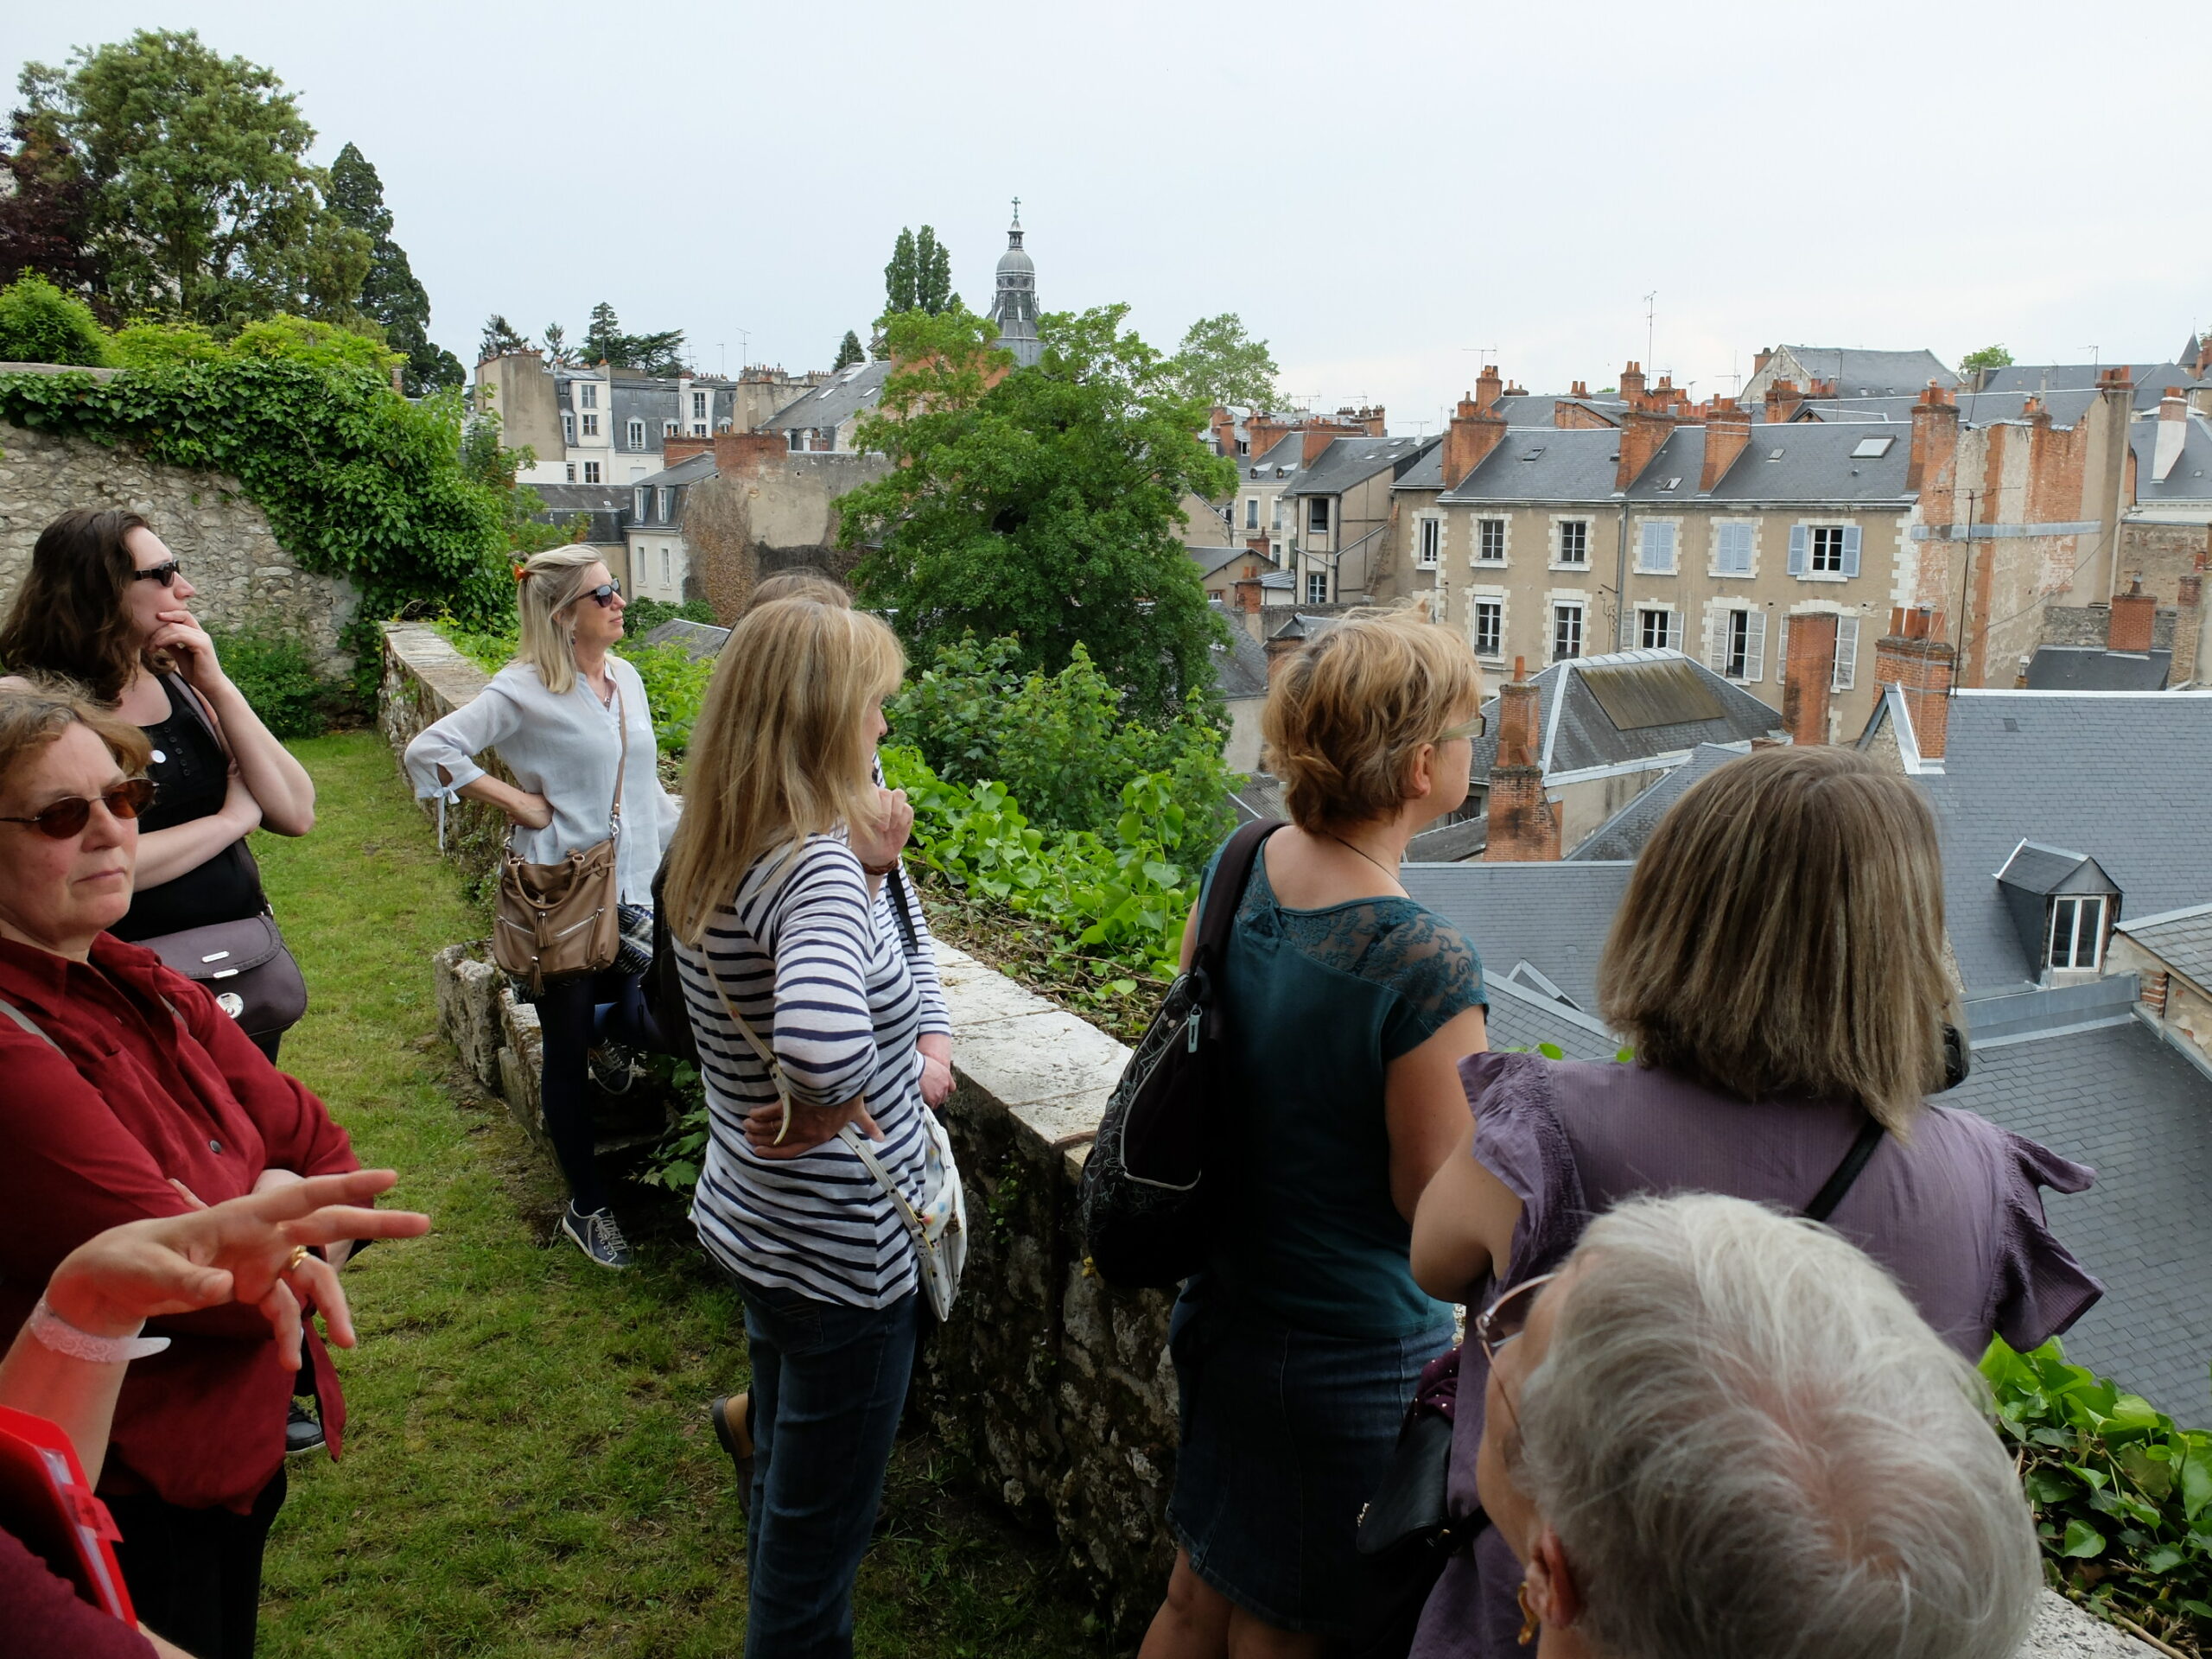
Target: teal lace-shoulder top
x,y
1317,1004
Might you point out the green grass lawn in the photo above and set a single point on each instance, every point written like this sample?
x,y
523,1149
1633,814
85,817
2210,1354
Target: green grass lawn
x,y
528,1468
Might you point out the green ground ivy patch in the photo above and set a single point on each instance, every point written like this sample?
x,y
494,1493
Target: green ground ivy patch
x,y
2123,1498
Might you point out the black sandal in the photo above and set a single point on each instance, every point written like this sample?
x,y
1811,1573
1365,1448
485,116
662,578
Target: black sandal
x,y
738,1442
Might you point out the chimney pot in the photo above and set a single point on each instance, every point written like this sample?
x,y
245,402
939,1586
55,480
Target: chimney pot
x,y
1473,433
1919,661
1643,434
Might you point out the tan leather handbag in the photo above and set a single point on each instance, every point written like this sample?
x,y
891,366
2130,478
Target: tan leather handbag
x,y
555,920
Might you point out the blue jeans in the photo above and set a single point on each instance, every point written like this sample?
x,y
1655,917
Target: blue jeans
x,y
828,1385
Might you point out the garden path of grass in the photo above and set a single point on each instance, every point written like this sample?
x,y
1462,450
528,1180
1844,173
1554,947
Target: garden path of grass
x,y
527,1466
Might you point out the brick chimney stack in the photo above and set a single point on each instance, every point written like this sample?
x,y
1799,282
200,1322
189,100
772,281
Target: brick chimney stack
x,y
1643,433
1523,827
1318,438
2189,624
1263,433
1810,673
1727,434
1579,388
1224,431
1760,360
1474,432
1373,420
2132,615
1934,442
1919,661
1632,384
1487,387
1783,402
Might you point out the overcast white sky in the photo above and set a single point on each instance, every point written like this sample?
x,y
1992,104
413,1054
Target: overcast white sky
x,y
1375,191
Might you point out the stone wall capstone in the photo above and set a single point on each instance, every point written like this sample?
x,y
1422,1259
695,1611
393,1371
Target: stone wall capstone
x,y
245,578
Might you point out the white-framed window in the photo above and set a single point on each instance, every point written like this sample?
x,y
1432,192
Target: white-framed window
x,y
666,580
567,427
590,394
1732,549
1566,632
1317,586
1654,546
1490,627
1658,629
1489,541
670,428
1736,645
698,405
637,435
798,436
1846,654
1275,512
591,471
2077,932
698,429
1316,514
591,426
1574,541
1243,446
1430,545
1251,513
1824,552
572,472
667,504
644,504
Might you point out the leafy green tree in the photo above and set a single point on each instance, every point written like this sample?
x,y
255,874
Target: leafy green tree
x,y
1989,357
556,347
849,351
1219,363
1041,503
39,323
390,296
199,202
499,338
933,268
605,342
902,278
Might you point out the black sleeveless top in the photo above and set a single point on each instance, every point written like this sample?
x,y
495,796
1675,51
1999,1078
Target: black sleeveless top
x,y
191,775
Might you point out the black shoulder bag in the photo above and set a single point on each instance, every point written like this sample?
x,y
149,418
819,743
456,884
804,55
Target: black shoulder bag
x,y
1407,1531
1148,1221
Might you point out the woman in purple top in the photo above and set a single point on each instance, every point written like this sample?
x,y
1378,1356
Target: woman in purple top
x,y
1778,964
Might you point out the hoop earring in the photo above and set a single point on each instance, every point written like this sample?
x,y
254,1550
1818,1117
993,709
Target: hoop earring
x,y
1529,1622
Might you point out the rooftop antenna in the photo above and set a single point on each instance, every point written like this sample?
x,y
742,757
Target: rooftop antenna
x,y
2092,351
1650,322
744,347
722,356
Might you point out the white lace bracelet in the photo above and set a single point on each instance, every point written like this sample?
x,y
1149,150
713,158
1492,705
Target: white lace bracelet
x,y
65,1338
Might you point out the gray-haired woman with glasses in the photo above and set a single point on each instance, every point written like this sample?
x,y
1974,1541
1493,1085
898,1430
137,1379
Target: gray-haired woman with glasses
x,y
557,716
105,605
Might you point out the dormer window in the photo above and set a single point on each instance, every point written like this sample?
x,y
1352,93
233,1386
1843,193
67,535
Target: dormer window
x,y
645,499
2078,932
2063,905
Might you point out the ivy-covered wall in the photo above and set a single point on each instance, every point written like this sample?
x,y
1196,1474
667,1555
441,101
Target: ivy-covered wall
x,y
244,575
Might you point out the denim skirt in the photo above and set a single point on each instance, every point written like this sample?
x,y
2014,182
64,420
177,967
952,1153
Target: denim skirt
x,y
1285,1435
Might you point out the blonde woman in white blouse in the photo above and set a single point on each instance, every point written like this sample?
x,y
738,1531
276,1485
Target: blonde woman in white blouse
x,y
556,716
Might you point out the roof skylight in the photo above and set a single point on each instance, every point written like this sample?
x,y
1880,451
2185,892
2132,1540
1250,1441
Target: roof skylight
x,y
1774,454
1871,449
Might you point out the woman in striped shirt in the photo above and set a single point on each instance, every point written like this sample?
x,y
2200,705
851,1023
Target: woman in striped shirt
x,y
785,934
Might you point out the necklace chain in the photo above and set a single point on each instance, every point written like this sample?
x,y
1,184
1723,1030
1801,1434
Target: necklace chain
x,y
1369,856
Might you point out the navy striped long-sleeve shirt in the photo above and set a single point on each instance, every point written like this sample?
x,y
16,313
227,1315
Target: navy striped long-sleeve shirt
x,y
817,968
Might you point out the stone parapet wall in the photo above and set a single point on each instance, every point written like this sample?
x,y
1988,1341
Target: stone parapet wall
x,y
1059,1388
424,680
245,580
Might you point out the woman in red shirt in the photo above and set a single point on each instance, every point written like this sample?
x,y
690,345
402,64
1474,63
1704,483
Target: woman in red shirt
x,y
130,1094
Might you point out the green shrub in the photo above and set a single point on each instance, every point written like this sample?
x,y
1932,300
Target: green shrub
x,y
1060,743
641,616
39,323
2123,1498
273,673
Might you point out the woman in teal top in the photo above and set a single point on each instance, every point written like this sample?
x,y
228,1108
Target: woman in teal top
x,y
1348,1008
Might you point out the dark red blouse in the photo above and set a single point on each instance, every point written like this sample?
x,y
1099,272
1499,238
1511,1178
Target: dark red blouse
x,y
116,1077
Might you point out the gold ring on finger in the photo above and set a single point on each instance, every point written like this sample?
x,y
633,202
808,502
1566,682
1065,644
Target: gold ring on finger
x,y
299,1255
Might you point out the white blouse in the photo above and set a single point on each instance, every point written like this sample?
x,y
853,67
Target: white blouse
x,y
564,748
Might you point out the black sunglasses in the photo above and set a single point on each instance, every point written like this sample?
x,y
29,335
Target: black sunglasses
x,y
67,818
604,593
164,572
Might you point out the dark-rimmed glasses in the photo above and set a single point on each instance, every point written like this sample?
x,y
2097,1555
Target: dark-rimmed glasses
x,y
604,593
164,572
66,818
1502,1321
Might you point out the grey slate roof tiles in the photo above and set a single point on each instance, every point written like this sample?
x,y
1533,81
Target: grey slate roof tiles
x,y
1523,1018
1553,916
2191,478
2092,668
2125,779
2180,939
1623,836
1348,461
1861,373
2119,1100
855,390
1582,734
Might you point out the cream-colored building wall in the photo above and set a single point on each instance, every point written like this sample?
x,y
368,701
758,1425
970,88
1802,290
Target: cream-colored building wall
x,y
1533,576
2189,1012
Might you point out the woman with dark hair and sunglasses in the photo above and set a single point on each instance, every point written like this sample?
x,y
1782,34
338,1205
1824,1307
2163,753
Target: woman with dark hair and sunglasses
x,y
103,604
130,1095
557,716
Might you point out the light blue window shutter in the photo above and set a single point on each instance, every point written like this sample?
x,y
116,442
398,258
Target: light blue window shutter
x,y
1850,550
1797,539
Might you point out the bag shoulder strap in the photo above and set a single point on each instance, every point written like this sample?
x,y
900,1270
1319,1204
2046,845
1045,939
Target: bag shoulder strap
x,y
180,691
621,760
1230,876
1825,1201
29,1024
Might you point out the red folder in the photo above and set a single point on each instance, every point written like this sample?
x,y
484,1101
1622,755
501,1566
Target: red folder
x,y
48,1507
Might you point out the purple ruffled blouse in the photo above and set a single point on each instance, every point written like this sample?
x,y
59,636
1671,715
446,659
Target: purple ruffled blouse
x,y
1954,1211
